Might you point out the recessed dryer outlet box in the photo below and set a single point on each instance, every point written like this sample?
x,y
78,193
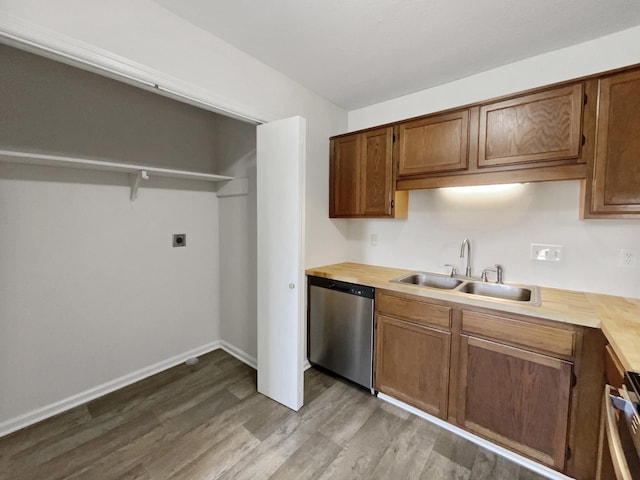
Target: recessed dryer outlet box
x,y
179,239
546,253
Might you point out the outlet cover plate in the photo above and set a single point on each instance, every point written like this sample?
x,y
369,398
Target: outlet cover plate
x,y
541,252
628,258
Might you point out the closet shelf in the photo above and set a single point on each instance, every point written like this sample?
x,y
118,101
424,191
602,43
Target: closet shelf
x,y
137,173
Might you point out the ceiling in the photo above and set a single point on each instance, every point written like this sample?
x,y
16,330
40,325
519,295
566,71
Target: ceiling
x,y
361,52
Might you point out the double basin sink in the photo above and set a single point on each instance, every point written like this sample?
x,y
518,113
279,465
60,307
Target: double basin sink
x,y
523,294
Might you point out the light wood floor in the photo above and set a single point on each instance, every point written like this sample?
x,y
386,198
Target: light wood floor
x,y
208,421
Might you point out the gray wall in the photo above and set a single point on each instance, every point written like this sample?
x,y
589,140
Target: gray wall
x,y
53,108
92,295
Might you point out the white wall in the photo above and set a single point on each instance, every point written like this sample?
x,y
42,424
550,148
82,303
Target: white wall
x,y
153,38
502,226
238,237
91,289
150,39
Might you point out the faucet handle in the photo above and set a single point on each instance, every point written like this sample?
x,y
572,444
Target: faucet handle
x,y
453,269
498,271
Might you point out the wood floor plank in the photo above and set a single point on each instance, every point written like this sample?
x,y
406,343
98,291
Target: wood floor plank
x,y
208,421
309,461
439,467
198,436
489,466
43,431
359,459
269,416
316,382
219,458
89,452
457,449
128,461
349,417
66,441
267,457
149,386
245,387
526,474
408,452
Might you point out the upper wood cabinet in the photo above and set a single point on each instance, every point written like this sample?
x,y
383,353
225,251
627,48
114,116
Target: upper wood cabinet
x,y
362,180
438,143
540,127
612,187
345,164
585,129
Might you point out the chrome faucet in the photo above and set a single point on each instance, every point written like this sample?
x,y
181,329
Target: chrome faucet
x,y
466,243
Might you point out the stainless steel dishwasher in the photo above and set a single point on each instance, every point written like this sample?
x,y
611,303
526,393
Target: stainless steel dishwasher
x,y
340,329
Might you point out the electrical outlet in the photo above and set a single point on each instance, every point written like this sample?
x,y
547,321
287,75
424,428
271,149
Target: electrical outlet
x,y
374,240
546,253
628,258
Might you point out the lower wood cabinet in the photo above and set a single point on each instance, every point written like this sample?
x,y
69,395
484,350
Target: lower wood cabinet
x,y
515,397
413,364
528,384
413,343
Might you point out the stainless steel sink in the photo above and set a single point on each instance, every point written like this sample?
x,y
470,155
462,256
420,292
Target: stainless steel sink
x,y
528,294
431,280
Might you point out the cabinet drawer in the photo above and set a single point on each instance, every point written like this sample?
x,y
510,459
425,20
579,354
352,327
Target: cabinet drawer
x,y
516,332
414,309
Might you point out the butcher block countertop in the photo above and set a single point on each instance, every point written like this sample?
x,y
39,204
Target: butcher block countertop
x,y
618,317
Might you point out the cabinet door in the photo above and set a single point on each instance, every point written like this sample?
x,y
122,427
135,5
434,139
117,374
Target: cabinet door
x,y
344,188
376,183
439,143
616,183
515,397
539,127
412,364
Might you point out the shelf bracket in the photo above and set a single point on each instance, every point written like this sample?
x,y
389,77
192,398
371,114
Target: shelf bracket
x,y
134,180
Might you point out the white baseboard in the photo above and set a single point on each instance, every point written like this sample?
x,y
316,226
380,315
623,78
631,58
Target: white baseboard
x,y
241,355
42,413
503,452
